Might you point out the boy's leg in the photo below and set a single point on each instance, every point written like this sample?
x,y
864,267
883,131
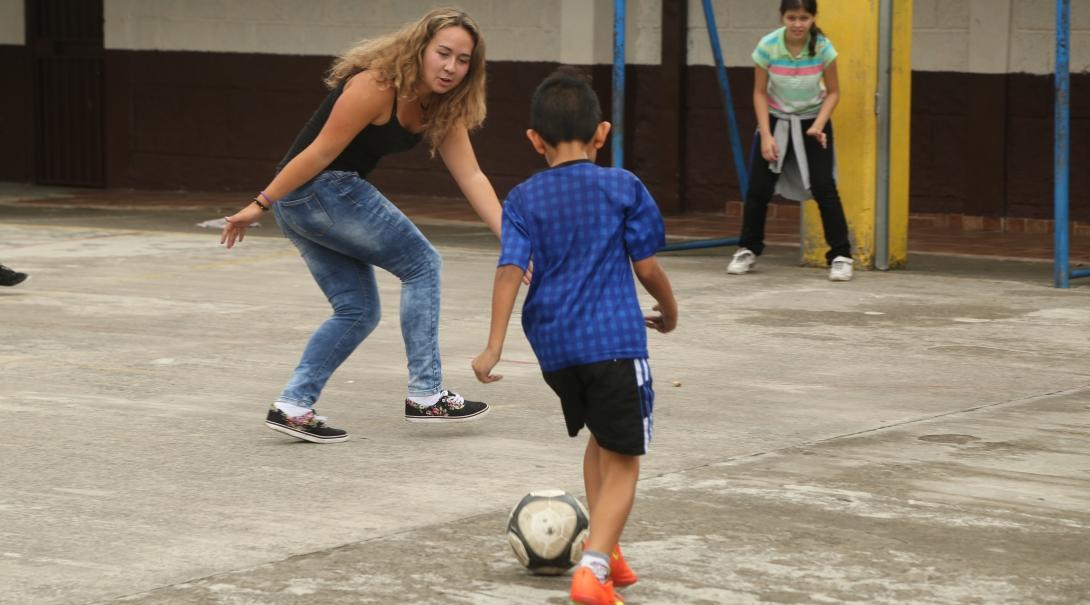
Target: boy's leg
x,y
620,424
592,472
617,477
619,571
610,480
621,416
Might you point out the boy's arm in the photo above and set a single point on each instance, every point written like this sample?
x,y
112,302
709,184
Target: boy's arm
x,y
504,291
654,280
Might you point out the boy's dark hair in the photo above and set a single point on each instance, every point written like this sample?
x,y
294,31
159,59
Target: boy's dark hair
x,y
565,108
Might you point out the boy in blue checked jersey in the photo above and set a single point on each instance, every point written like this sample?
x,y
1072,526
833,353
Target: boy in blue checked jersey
x,y
587,229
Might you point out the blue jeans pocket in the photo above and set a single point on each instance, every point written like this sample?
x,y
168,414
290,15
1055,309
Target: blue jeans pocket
x,y
306,215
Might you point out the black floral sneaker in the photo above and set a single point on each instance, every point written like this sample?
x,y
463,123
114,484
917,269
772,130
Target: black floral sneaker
x,y
451,407
308,427
10,277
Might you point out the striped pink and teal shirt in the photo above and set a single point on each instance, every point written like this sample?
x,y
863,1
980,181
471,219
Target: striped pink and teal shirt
x,y
794,83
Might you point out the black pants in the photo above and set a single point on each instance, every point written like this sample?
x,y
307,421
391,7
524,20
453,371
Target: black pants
x,y
762,183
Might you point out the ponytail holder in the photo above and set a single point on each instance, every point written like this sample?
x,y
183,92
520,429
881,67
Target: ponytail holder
x,y
265,197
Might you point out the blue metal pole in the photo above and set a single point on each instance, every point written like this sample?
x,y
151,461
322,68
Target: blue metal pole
x,y
1061,270
732,126
728,104
617,147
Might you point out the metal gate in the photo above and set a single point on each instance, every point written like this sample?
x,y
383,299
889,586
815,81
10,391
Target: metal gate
x,y
66,41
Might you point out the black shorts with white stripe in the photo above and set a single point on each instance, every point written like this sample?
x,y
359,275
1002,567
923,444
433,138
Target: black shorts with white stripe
x,y
613,399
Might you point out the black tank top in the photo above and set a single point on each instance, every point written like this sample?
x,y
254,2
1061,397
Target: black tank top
x,y
363,152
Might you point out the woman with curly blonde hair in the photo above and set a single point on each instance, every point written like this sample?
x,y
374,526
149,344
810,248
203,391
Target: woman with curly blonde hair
x,y
426,80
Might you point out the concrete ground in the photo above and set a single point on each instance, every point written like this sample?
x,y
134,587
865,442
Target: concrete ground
x,y
919,436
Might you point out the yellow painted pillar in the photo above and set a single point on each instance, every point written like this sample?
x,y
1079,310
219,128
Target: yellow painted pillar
x,y
900,144
852,26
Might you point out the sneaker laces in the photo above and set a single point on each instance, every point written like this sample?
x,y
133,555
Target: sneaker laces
x,y
453,400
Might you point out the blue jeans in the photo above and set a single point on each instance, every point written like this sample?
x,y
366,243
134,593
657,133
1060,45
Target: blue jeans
x,y
344,228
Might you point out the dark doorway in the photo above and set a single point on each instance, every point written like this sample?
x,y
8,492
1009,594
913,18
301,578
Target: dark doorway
x,y
66,46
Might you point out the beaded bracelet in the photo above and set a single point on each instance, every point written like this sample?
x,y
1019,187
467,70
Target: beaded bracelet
x,y
263,207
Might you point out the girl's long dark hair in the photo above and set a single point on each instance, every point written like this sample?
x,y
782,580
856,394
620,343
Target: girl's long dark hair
x,y
809,6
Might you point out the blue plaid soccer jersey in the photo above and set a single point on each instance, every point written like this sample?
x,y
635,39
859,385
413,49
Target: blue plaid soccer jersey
x,y
583,225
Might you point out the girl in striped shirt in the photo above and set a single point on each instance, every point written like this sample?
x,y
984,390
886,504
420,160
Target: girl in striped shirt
x,y
794,92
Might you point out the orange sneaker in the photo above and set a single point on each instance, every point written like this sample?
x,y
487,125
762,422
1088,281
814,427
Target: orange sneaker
x,y
587,590
619,571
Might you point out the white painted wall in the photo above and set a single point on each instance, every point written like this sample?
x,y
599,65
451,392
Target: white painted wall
x,y
741,24
989,41
568,31
12,28
1033,38
978,36
940,35
995,36
643,31
314,27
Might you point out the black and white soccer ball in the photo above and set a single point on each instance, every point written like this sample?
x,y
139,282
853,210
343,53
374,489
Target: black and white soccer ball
x,y
546,530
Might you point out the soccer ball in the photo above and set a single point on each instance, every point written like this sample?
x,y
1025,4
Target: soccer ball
x,y
546,530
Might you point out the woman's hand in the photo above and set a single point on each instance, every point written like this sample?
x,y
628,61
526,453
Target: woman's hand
x,y
769,151
238,223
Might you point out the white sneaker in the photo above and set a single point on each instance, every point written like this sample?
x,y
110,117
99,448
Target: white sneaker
x,y
742,262
841,269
